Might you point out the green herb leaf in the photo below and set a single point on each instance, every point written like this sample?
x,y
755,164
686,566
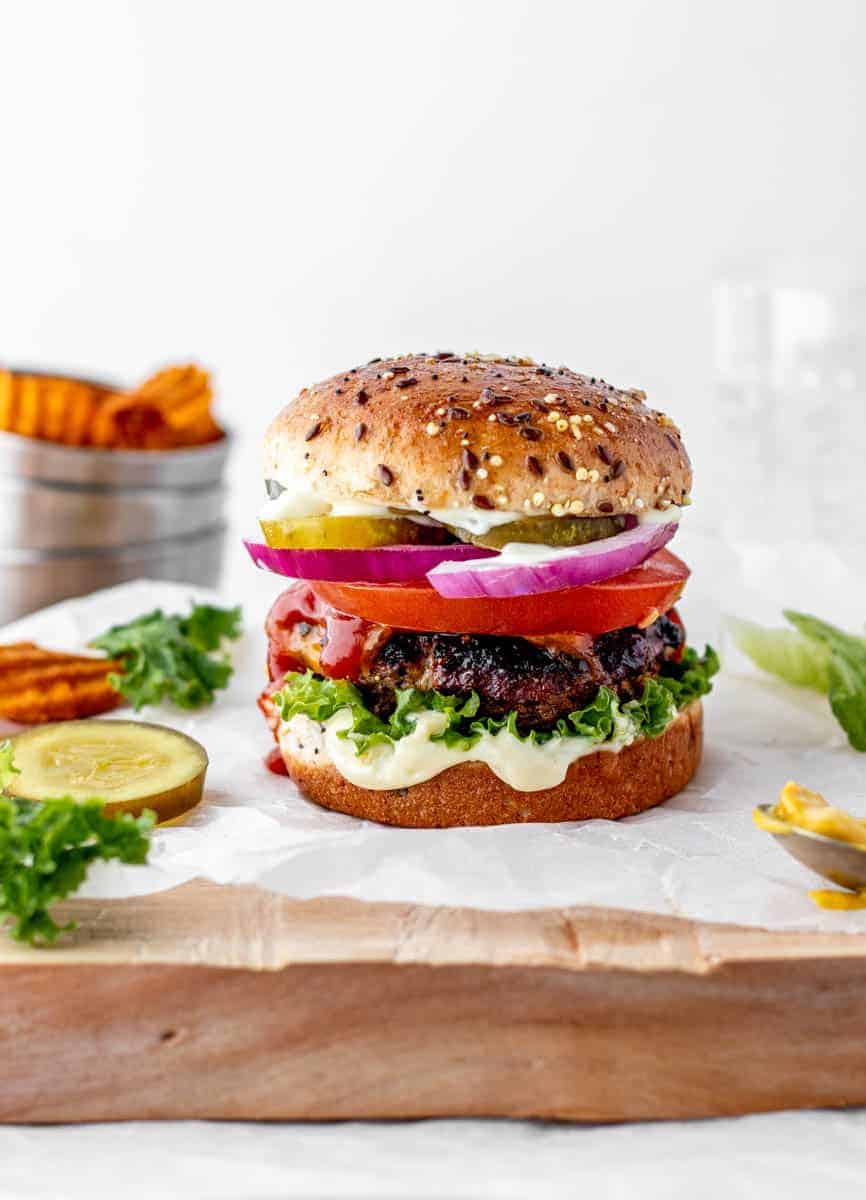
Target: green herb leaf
x,y
647,716
172,657
47,848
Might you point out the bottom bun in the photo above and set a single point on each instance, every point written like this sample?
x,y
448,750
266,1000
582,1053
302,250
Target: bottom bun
x,y
604,784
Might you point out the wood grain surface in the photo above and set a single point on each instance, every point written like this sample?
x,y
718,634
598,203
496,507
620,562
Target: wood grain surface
x,y
237,1003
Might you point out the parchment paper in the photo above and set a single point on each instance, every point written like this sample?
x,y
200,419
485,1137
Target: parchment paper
x,y
697,856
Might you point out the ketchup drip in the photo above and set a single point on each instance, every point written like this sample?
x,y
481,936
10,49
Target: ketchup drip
x,y
342,638
274,761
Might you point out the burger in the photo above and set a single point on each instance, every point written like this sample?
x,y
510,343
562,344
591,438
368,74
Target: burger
x,y
480,624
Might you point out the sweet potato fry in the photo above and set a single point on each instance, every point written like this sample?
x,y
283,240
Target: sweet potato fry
x,y
39,685
170,410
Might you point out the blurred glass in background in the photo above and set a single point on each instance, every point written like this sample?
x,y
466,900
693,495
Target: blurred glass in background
x,y
789,411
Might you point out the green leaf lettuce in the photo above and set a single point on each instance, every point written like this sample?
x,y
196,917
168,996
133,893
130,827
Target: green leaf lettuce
x,y
46,850
647,716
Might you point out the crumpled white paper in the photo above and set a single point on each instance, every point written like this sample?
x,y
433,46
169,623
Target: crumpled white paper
x,y
697,856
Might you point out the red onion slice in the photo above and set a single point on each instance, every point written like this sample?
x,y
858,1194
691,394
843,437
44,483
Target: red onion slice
x,y
384,564
558,569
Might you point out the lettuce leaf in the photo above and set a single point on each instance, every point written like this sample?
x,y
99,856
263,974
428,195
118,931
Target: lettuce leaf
x,y
817,655
46,850
783,652
647,715
846,673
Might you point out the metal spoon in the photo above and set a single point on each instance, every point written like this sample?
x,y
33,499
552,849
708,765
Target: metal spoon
x,y
840,862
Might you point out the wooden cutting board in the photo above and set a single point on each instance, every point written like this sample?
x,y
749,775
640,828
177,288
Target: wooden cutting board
x,y
237,1003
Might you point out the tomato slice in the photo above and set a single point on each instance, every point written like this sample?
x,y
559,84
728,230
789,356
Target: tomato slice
x,y
633,598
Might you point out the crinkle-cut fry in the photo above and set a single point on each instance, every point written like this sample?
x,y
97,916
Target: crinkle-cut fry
x,y
46,674
172,409
39,685
169,410
63,700
50,407
7,398
18,655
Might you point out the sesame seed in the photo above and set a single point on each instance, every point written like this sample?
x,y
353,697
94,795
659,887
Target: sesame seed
x,y
496,460
538,499
639,503
492,417
578,435
553,416
313,431
481,473
476,403
582,473
360,430
440,412
470,460
502,500
432,429
588,418
551,398
593,476
610,427
387,374
576,506
557,510
562,425
386,475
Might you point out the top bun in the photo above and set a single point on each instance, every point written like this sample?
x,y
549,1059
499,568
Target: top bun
x,y
447,431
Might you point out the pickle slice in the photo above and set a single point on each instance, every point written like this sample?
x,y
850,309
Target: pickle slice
x,y
549,531
346,533
130,765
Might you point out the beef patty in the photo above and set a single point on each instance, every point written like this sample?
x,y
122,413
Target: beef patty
x,y
540,678
536,678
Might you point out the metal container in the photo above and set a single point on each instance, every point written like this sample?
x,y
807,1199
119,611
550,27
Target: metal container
x,y
74,520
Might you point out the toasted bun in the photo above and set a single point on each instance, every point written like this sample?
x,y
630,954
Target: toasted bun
x,y
438,431
609,785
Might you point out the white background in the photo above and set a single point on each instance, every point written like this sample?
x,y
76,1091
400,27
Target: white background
x,y
282,190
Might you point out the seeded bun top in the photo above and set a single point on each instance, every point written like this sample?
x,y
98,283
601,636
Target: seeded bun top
x,y
445,431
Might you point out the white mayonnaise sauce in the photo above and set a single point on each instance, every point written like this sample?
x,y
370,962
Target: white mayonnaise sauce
x,y
415,758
